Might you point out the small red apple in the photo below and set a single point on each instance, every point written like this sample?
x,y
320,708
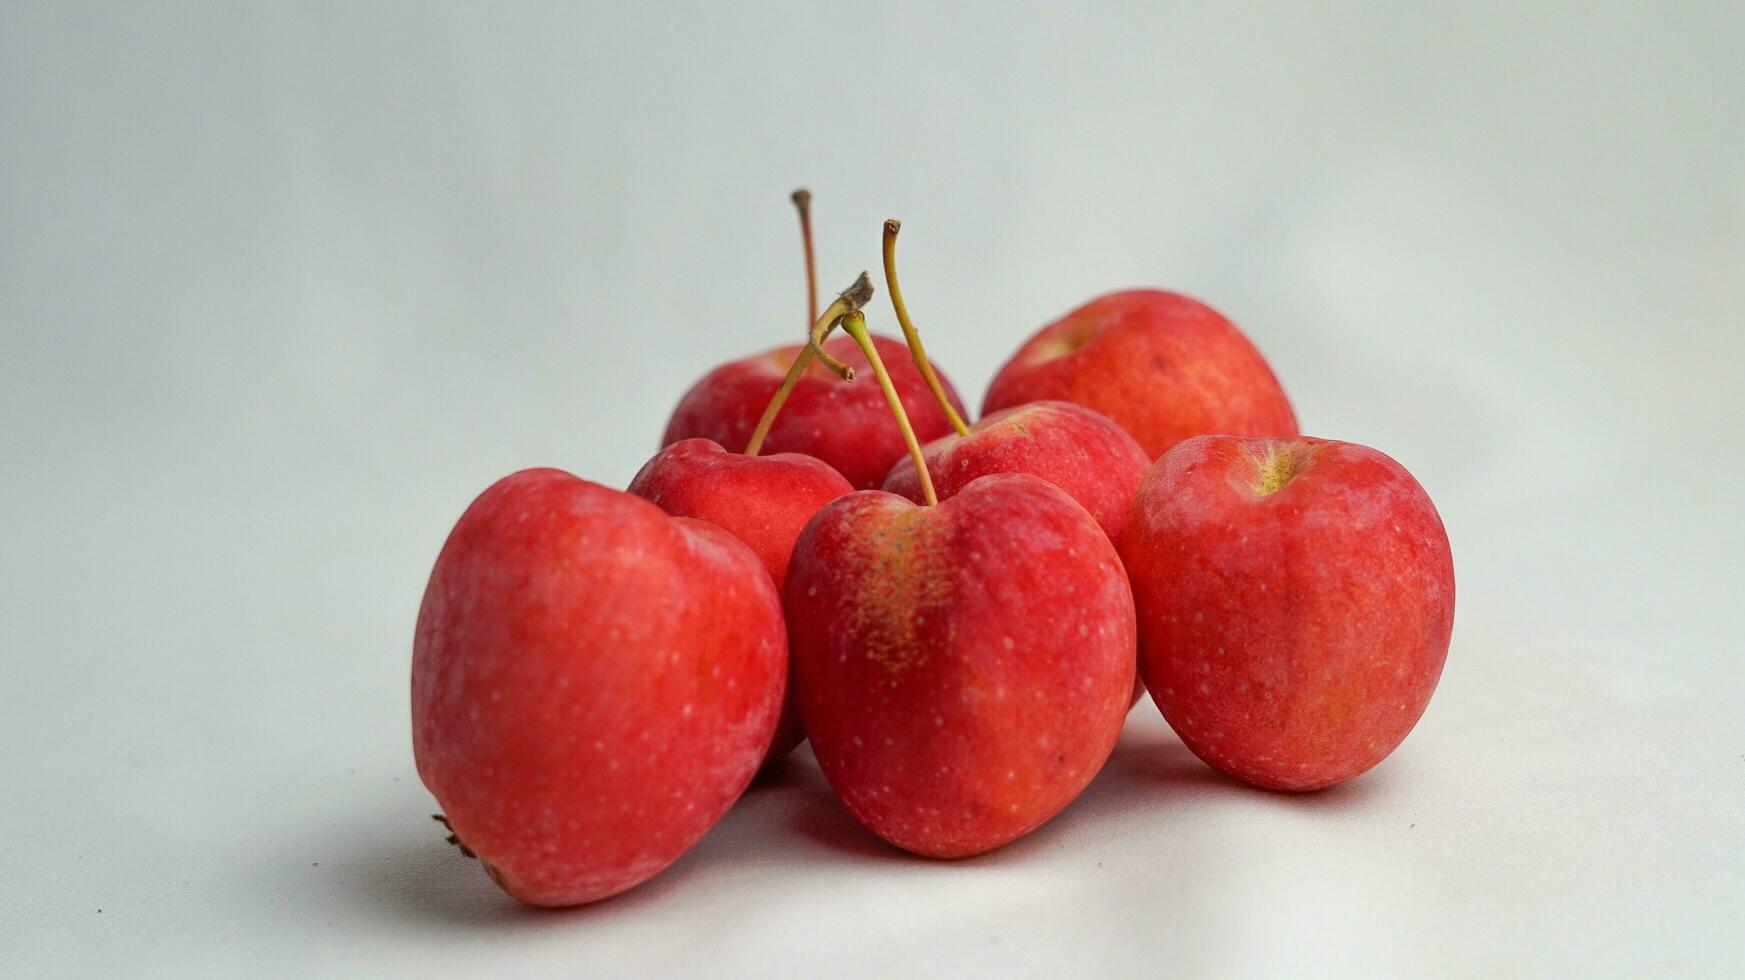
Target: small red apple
x,y
963,668
1163,366
1295,602
763,501
593,684
1067,445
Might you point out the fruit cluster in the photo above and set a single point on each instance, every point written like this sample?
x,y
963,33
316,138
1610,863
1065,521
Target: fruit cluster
x,y
598,675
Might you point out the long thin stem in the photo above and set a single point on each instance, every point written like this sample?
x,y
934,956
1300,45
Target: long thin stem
x,y
854,325
803,202
850,301
910,334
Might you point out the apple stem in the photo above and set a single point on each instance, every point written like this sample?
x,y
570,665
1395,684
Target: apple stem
x,y
910,334
849,301
815,346
803,202
854,324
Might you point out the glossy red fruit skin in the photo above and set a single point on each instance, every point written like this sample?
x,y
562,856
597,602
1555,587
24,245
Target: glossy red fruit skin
x,y
1076,449
848,425
593,684
963,670
1163,366
763,501
1292,638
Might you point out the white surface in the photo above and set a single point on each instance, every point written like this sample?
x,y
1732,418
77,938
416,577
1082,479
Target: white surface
x,y
282,290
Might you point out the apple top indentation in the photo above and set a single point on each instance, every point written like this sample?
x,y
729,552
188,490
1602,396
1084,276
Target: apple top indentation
x,y
1277,465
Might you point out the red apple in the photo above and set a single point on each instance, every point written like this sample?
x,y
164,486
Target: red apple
x,y
1078,450
763,501
593,684
847,426
963,668
1161,365
1295,602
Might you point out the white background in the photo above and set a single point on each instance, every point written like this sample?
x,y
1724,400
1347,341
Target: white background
x,y
283,288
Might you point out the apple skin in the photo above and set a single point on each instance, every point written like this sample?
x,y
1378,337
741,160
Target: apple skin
x,y
1292,638
1080,451
593,684
763,501
848,425
1163,366
963,670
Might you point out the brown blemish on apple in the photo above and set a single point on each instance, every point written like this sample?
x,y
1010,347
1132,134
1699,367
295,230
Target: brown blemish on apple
x,y
904,585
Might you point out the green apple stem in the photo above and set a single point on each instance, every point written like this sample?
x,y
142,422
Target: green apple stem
x,y
910,334
854,324
821,328
803,202
850,301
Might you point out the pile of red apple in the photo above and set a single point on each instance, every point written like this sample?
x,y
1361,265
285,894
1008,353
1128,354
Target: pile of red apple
x,y
953,614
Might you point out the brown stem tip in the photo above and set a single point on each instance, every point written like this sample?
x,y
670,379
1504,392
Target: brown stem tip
x,y
857,295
